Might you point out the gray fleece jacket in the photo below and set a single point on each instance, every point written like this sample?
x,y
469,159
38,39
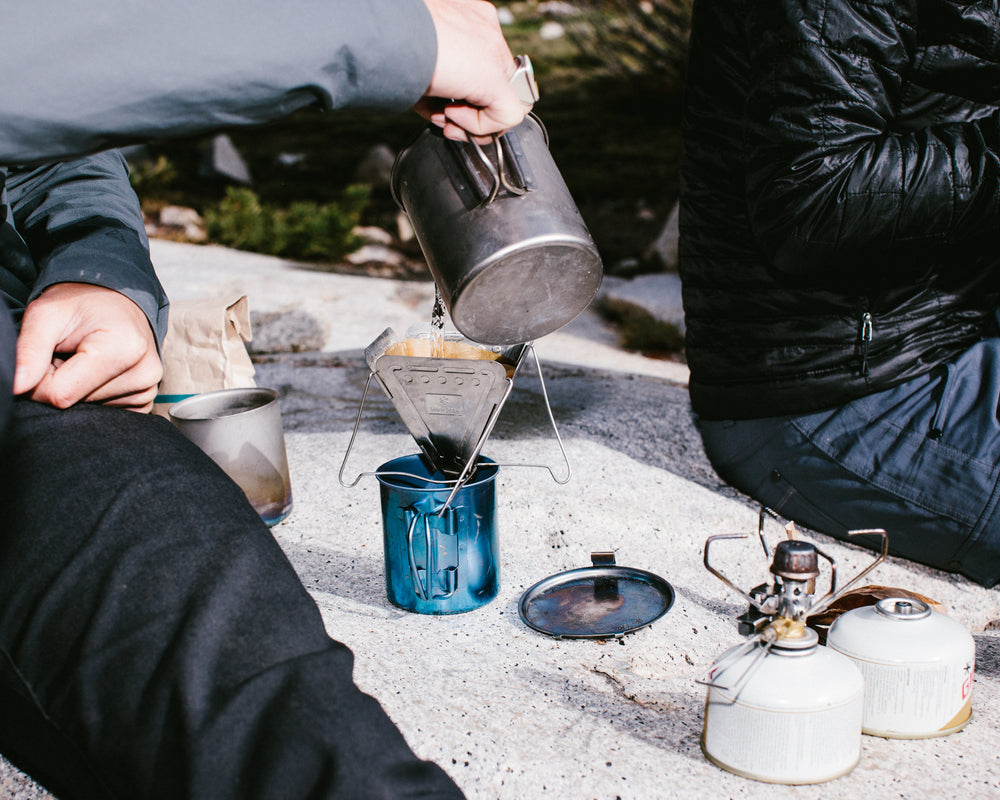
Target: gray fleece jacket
x,y
80,80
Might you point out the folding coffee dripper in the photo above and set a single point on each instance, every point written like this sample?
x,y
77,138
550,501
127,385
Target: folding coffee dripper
x,y
450,405
438,521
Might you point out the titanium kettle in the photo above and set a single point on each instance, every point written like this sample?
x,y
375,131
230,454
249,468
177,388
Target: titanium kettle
x,y
503,238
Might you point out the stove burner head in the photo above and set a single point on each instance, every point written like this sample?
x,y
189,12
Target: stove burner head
x,y
795,559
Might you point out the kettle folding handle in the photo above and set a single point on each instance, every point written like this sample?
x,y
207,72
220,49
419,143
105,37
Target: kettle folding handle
x,y
490,172
498,173
523,81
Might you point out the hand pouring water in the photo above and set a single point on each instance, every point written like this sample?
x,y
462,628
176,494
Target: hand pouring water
x,y
504,241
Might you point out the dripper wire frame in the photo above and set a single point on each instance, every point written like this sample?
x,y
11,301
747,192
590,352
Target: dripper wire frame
x,y
464,476
470,464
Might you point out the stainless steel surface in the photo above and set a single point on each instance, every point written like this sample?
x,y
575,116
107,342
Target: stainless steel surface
x,y
597,602
501,234
445,403
523,81
449,405
240,429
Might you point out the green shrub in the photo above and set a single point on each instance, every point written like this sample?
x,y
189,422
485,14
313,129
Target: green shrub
x,y
636,38
641,331
239,221
152,176
305,231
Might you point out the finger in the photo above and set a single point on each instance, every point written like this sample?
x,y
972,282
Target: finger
x,y
79,376
497,117
36,345
127,391
37,391
132,400
431,109
459,134
437,114
141,402
133,388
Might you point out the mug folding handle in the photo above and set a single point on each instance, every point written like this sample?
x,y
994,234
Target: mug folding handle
x,y
430,568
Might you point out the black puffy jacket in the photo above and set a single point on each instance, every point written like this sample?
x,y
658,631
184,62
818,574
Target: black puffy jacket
x,y
840,207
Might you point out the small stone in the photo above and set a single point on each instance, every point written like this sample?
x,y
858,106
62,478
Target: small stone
x,y
558,8
551,30
221,159
385,262
371,234
285,332
186,220
370,253
375,169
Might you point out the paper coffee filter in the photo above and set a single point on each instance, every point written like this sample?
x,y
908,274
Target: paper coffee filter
x,y
443,348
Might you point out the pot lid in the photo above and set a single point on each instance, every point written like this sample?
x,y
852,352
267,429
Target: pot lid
x,y
597,602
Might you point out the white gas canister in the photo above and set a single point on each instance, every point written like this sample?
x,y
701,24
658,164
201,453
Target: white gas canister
x,y
917,664
790,716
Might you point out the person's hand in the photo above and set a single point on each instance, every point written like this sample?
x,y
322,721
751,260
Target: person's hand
x,y
470,91
83,342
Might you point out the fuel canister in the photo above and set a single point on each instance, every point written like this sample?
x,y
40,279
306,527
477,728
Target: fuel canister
x,y
917,665
789,715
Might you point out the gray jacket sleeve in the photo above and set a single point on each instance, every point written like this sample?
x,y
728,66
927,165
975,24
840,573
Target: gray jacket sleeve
x,y
79,79
81,222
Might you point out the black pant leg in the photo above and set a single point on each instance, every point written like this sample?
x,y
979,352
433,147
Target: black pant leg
x,y
154,640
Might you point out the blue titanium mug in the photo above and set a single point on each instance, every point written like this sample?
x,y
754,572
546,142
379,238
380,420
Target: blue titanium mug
x,y
439,560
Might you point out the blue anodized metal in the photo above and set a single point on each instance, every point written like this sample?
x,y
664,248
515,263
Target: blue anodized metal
x,y
440,557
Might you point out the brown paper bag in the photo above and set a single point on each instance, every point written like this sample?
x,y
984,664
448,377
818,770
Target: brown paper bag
x,y
204,349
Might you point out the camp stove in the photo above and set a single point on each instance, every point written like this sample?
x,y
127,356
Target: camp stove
x,y
781,707
779,608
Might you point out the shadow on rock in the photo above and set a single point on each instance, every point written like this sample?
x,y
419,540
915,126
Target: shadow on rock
x,y
668,720
346,574
647,419
987,656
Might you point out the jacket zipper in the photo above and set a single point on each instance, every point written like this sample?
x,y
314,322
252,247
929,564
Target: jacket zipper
x,y
867,332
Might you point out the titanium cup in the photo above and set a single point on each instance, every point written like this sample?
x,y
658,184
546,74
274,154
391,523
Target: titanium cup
x,y
439,561
240,429
502,236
